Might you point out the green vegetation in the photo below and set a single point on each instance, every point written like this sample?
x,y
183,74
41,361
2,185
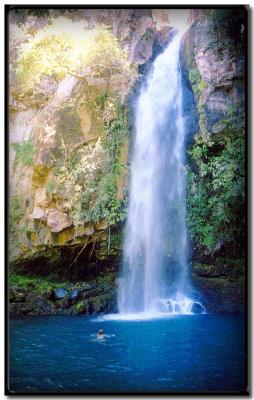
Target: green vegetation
x,y
86,178
72,161
198,86
216,165
227,31
106,282
16,212
24,152
55,188
91,175
38,284
216,195
101,100
112,246
40,174
106,205
65,47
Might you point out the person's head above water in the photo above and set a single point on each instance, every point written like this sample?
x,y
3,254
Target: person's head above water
x,y
101,332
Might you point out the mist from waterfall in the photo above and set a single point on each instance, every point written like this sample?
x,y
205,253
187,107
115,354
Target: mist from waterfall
x,y
155,272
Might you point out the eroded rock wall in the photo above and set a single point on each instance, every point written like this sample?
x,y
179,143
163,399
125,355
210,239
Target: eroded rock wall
x,y
213,67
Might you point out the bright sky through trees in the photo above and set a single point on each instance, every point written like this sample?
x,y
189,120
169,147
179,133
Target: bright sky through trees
x,y
66,47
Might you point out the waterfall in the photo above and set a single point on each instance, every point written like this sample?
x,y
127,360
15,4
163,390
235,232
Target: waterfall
x,y
154,273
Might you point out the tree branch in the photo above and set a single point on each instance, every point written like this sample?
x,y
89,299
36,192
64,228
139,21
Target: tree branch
x,y
79,254
84,76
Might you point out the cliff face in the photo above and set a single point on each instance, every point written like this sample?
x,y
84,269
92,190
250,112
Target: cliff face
x,y
213,67
69,145
61,134
215,63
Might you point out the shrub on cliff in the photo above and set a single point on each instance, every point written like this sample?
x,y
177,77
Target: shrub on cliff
x,y
216,195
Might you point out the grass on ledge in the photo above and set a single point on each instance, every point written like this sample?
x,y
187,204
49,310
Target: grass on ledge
x,y
38,284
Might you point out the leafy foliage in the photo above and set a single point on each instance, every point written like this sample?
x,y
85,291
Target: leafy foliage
x,y
39,284
198,86
227,30
56,186
16,212
24,152
101,99
65,48
107,205
216,195
90,178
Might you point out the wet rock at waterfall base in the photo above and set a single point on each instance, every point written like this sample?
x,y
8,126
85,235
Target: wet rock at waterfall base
x,y
197,308
16,295
59,294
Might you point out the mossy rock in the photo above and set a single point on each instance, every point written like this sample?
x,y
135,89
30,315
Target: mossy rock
x,y
35,261
40,174
63,237
208,270
82,307
100,303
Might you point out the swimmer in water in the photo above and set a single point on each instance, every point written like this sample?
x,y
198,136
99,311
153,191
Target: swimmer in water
x,y
100,334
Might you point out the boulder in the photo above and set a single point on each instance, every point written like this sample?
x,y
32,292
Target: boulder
x,y
74,294
16,295
84,230
39,214
222,75
63,303
102,303
82,307
101,226
197,308
57,220
60,293
40,198
83,286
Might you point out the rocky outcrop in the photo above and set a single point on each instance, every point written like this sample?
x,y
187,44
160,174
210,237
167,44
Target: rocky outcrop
x,y
219,72
213,67
71,299
222,285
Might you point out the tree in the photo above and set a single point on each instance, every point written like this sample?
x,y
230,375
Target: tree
x,y
65,48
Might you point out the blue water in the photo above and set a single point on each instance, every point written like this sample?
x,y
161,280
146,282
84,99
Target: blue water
x,y
175,354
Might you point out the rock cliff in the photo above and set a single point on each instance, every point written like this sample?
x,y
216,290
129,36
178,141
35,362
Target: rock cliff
x,y
69,143
213,67
58,134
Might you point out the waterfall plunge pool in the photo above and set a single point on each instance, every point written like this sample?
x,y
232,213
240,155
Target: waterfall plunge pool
x,y
179,353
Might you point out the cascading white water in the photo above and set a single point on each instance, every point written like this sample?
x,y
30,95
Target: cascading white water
x,y
155,276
